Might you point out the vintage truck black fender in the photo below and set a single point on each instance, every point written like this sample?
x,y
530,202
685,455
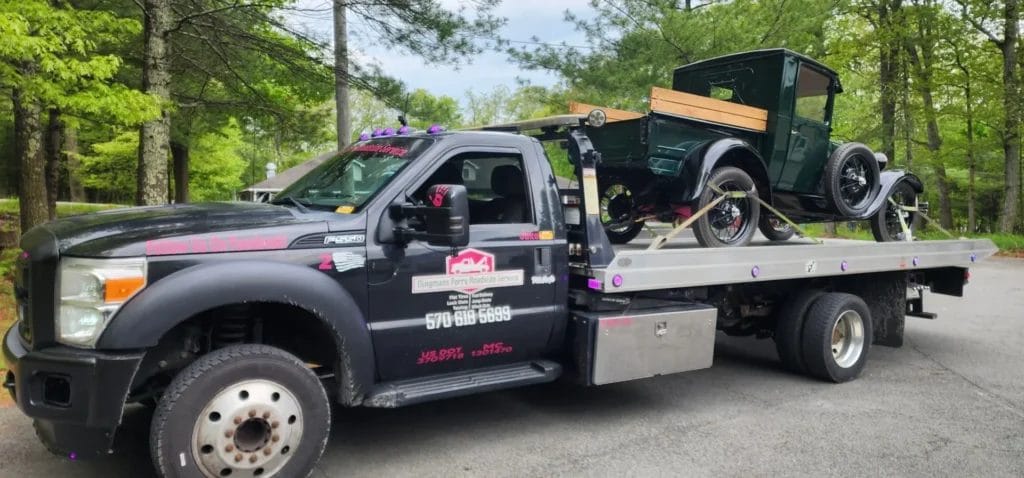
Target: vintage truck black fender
x,y
734,152
159,307
889,180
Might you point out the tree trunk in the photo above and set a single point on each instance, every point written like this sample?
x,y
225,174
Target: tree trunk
x,y
155,135
922,65
971,162
908,122
344,117
53,153
1012,119
76,191
888,74
179,152
28,134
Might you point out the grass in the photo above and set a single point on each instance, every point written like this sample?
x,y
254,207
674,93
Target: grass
x,y
1008,244
8,222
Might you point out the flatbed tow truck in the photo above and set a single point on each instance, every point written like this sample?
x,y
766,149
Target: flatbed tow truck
x,y
411,268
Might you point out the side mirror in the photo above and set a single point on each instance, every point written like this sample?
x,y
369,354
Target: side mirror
x,y
443,221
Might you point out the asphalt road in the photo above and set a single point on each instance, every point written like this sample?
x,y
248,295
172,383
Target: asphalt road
x,y
949,403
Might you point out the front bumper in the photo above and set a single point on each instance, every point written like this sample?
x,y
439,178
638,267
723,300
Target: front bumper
x,y
76,397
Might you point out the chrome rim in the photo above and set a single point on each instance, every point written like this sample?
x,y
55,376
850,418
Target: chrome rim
x,y
855,183
617,208
847,338
251,428
778,225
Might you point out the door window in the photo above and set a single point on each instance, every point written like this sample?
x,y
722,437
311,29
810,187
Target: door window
x,y
495,183
812,95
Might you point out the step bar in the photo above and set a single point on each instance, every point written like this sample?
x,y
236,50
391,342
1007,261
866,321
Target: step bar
x,y
407,392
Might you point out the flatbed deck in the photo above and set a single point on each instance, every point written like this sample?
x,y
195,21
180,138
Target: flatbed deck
x,y
683,263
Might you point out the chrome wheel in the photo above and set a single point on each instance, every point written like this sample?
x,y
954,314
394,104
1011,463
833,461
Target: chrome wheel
x,y
250,428
847,338
617,208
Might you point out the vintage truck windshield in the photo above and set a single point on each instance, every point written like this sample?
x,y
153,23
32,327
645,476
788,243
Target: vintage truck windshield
x,y
355,175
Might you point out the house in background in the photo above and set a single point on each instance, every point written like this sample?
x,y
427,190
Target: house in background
x,y
265,190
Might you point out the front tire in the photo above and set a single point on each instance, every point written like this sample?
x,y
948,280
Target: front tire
x,y
244,410
837,337
732,222
885,225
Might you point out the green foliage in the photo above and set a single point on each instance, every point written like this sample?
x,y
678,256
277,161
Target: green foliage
x,y
215,171
51,55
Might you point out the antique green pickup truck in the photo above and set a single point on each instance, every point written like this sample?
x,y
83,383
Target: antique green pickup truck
x,y
758,120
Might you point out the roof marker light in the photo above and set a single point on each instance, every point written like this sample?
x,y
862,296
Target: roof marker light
x,y
843,266
388,132
755,271
405,129
364,136
594,284
617,280
434,129
974,257
376,132
915,261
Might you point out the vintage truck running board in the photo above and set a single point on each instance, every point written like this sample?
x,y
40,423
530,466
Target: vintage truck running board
x,y
407,392
635,269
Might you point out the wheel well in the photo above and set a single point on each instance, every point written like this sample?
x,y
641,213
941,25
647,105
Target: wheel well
x,y
751,165
288,327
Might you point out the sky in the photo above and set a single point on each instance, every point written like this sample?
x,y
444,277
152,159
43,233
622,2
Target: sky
x,y
526,19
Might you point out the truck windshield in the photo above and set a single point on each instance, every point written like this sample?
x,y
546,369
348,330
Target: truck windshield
x,y
355,175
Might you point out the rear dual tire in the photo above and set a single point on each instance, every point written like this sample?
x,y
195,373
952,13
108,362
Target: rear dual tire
x,y
824,335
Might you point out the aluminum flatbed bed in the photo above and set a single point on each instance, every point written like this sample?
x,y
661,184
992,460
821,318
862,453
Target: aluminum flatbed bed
x,y
683,263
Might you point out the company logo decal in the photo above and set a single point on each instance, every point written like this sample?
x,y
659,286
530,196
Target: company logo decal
x,y
468,272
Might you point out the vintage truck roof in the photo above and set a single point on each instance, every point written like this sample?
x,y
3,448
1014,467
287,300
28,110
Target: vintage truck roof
x,y
750,55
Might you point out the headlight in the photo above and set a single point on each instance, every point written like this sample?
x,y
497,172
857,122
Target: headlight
x,y
91,291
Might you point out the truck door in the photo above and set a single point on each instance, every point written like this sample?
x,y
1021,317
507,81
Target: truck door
x,y
436,310
809,135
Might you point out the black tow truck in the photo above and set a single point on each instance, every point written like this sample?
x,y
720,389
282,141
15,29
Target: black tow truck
x,y
410,268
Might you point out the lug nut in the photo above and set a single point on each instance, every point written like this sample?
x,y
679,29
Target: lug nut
x,y
229,448
238,457
266,415
274,424
252,413
275,438
253,458
267,451
238,420
229,433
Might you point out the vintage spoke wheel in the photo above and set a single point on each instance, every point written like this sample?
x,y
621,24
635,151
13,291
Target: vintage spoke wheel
x,y
852,179
618,213
775,229
885,225
732,221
